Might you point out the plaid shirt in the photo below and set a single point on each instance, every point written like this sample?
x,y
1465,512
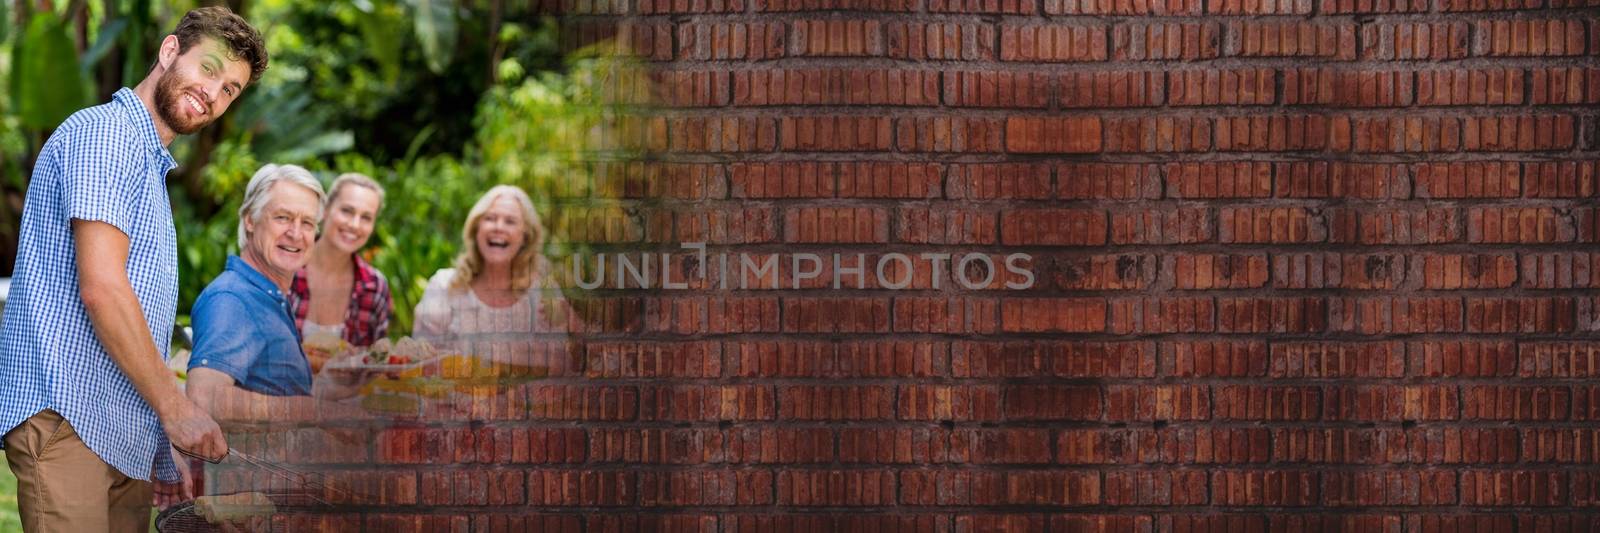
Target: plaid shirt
x,y
107,164
367,318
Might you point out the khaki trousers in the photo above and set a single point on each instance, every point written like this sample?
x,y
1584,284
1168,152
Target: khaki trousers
x,y
63,486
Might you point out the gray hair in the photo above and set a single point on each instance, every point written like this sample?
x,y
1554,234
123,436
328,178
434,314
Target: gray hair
x,y
356,179
259,191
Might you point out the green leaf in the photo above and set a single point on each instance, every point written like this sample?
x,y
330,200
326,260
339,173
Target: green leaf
x,y
436,30
5,20
327,143
46,83
103,43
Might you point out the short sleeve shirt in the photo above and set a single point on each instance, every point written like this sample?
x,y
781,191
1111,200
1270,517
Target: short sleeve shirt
x,y
106,164
242,328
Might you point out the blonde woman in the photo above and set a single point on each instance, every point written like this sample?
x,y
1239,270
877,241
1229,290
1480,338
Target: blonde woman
x,y
338,296
501,281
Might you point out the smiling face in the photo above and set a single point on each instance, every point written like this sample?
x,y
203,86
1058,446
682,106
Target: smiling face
x,y
280,238
350,218
198,85
501,232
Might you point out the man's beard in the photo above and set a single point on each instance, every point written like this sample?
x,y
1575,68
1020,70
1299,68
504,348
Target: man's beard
x,y
169,101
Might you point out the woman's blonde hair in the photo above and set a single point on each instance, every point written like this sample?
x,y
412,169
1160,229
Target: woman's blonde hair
x,y
525,265
356,179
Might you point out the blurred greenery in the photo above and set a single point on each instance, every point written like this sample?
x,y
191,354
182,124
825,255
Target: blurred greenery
x,y
437,100
9,520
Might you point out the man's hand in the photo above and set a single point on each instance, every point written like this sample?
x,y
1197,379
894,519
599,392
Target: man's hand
x,y
169,494
190,428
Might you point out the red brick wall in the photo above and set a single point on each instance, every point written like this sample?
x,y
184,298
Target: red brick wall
x,y
1300,264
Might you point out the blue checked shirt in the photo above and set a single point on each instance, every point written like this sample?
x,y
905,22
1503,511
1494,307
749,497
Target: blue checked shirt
x,y
105,163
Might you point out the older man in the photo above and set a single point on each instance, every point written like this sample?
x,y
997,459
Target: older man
x,y
88,406
246,343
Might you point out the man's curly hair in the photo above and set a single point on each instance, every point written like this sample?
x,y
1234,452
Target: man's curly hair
x,y
220,23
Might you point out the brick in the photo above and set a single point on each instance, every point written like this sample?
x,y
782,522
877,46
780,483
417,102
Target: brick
x,y
723,135
566,488
1157,402
1214,358
1346,7
1158,134
1389,487
1158,41
1290,39
1340,179
1210,87
1462,359
1347,88
1266,402
1216,271
691,89
1224,179
1338,445
1467,271
1107,181
1370,316
835,38
1277,488
1562,270
690,403
648,359
715,41
1565,86
1521,315
949,134
1585,402
1279,225
1454,87
1002,446
1052,402
883,87
1112,89
1558,359
1530,37
997,89
1519,225
832,5
1462,446
725,226
840,315
1422,225
1260,7
1002,181
1003,7
1053,227
1333,270
838,402
1473,179
836,225
944,225
1071,135
1459,522
949,315
574,402
1404,41
1022,359
1487,5
835,488
895,445
1102,272
1559,445
1336,359
1155,487
999,522
1274,315
921,41
888,179
1396,134
1518,133
834,134
1386,403
1162,315
1097,446
1515,402
1062,315
1121,7
1276,133
1559,179
1180,225
1058,43
951,402
1522,488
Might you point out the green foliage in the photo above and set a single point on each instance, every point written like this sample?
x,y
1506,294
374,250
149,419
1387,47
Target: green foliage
x,y
47,84
436,31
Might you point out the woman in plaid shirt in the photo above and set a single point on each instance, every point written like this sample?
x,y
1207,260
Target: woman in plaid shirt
x,y
338,295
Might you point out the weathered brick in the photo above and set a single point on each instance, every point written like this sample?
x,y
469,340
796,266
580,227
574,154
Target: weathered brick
x,y
1053,227
940,41
1345,7
1225,179
1271,315
1162,315
1312,359
1558,359
1390,134
1276,488
1005,7
1467,271
1157,402
946,134
1000,181
1402,41
1121,7
1157,134
1522,488
835,38
1260,7
1107,181
1155,41
944,225
1101,272
1209,87
1340,179
1020,359
1389,487
1182,225
1515,402
1328,270
715,41
951,402
1029,135
1054,43
1559,179
1280,225
1112,89
1530,37
1214,358
1268,38
1519,225
1266,402
1390,403
1569,85
1491,86
1422,225
1277,133
1063,315
1216,271
1375,315
1348,88
1521,315
1524,133
1006,89
1155,487
772,87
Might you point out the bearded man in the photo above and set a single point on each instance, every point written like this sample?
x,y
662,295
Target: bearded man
x,y
90,410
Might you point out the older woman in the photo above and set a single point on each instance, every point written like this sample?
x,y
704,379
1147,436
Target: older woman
x,y
338,296
501,281
244,336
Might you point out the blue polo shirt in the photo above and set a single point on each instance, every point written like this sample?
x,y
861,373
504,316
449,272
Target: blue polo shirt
x,y
242,328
